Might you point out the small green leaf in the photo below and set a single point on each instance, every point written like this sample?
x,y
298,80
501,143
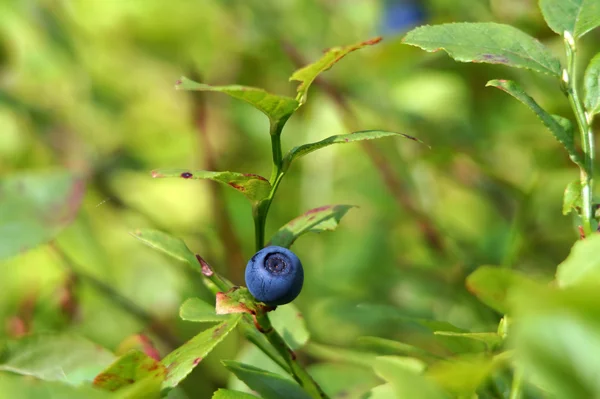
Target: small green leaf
x,y
575,16
384,346
316,220
492,340
309,73
385,391
256,188
289,323
35,207
572,198
464,374
55,357
492,284
134,371
560,127
592,85
184,359
302,150
230,394
167,244
195,309
406,379
582,265
277,108
486,42
237,300
267,384
339,380
19,387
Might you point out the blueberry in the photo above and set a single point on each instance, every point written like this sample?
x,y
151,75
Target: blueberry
x,y
402,15
274,275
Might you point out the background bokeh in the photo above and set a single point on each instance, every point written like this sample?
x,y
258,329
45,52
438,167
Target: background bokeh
x,y
89,85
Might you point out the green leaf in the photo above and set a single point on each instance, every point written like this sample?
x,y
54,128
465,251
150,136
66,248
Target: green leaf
x,y
309,73
406,379
267,384
167,244
572,198
560,127
316,220
557,339
35,207
464,374
184,359
238,300
486,42
384,346
230,394
19,387
277,108
575,16
256,188
195,309
491,339
592,85
134,372
582,265
492,284
289,323
385,391
343,380
302,150
55,357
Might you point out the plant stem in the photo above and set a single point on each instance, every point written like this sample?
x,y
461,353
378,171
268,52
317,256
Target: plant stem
x,y
585,130
517,384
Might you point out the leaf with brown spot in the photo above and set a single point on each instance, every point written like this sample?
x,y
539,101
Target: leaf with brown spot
x,y
256,188
35,207
315,220
182,360
237,300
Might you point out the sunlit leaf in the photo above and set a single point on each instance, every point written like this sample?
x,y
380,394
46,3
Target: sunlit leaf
x,y
167,244
195,309
572,197
277,108
184,359
267,384
406,379
582,266
306,75
339,380
492,285
289,323
592,85
304,149
560,127
55,357
230,394
316,220
486,42
19,387
133,372
254,187
575,16
35,207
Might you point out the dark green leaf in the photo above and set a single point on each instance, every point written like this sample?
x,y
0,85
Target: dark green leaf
x,y
55,357
492,340
34,207
133,372
582,266
309,73
316,220
486,42
254,187
195,309
302,150
575,16
406,379
167,244
340,380
560,127
290,324
572,198
277,108
492,284
592,85
229,394
19,387
184,359
267,384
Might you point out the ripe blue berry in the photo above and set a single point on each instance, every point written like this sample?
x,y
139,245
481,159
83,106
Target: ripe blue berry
x,y
274,275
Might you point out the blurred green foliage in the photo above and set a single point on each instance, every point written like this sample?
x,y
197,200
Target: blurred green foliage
x,y
88,85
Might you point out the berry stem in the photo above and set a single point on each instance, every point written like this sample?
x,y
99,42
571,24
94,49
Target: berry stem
x,y
586,133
